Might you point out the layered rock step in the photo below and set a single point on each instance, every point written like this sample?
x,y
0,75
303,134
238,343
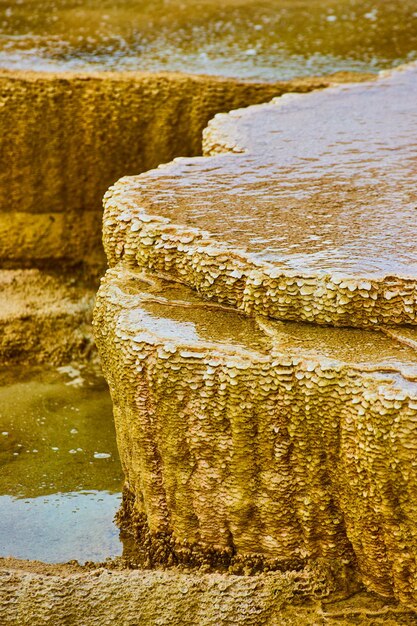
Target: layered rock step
x,y
44,318
56,159
270,444
248,437
309,213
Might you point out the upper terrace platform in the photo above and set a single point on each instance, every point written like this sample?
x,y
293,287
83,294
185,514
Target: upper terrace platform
x,y
304,210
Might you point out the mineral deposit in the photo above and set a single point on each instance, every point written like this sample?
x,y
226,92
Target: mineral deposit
x,y
66,137
255,443
304,211
43,318
35,594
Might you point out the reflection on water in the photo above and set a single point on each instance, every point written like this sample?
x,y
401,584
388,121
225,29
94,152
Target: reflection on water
x,y
60,477
61,527
256,39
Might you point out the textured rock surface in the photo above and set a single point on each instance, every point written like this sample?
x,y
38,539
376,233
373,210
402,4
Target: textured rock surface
x,y
43,318
66,137
36,594
309,216
258,442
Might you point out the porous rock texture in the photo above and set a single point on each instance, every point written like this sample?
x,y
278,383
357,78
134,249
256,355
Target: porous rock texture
x,y
305,209
35,594
249,443
66,137
252,443
44,318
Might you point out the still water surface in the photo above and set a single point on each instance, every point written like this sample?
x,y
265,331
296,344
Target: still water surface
x,y
247,38
60,474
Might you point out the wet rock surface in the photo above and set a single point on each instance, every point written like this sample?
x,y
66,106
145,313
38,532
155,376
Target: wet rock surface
x,y
248,445
56,163
308,216
258,40
249,442
259,443
66,137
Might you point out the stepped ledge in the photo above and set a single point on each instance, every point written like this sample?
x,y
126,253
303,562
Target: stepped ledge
x,y
250,443
304,210
253,444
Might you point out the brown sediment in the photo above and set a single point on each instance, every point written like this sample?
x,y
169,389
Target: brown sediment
x,y
146,549
67,137
44,319
261,449
304,210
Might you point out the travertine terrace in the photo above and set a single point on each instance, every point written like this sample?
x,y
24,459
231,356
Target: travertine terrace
x,y
255,443
44,319
36,593
309,215
67,137
249,442
256,326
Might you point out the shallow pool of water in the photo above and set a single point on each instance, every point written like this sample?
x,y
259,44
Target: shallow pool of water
x,y
60,477
247,38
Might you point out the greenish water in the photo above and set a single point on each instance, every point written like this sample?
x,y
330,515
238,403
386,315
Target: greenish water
x,y
247,38
60,477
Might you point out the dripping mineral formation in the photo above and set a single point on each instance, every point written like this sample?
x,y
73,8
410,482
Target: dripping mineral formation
x,y
260,443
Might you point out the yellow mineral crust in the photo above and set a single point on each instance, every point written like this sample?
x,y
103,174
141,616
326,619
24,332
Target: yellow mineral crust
x,y
114,596
305,209
65,137
44,318
252,440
